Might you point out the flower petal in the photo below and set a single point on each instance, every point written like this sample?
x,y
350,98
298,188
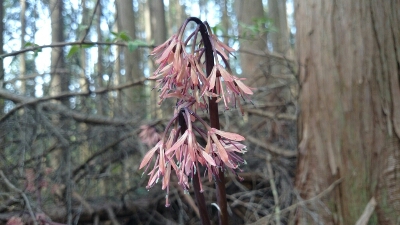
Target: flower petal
x,y
244,88
227,76
178,143
208,158
212,78
149,155
228,135
221,150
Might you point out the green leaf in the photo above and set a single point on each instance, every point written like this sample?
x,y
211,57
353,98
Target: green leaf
x,y
87,45
29,44
133,45
74,49
124,36
83,27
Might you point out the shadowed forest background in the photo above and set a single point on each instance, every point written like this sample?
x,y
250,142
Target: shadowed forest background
x,y
78,112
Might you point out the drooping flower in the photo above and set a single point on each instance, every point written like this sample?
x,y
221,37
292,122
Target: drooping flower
x,y
182,75
149,135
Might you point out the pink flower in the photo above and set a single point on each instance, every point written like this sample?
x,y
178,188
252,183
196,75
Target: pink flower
x,y
149,135
182,75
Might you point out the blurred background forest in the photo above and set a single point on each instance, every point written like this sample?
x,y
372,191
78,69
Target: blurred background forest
x,y
73,110
76,102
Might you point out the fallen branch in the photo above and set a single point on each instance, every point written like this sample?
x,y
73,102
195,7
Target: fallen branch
x,y
26,101
271,148
271,115
369,209
28,205
265,219
63,44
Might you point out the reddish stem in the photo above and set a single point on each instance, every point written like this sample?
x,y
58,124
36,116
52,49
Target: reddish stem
x,y
214,119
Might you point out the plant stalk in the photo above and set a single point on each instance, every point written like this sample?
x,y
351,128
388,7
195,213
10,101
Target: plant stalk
x,y
214,119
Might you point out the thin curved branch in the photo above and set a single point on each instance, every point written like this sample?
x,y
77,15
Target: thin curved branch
x,y
28,205
63,44
26,101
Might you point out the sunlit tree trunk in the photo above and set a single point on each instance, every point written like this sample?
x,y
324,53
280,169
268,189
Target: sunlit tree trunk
x,y
279,37
1,52
133,71
102,99
59,77
158,34
176,16
253,65
60,80
22,61
349,123
225,20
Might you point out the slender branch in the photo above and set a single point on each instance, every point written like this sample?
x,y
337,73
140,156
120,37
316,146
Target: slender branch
x,y
271,115
91,21
63,44
274,190
28,205
265,219
25,101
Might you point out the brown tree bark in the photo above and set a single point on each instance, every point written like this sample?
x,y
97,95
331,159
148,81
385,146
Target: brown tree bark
x,y
349,124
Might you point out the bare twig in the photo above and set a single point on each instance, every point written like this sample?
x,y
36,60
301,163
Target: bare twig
x,y
111,216
266,54
189,200
272,148
369,209
265,219
25,101
28,205
271,115
91,21
274,190
63,44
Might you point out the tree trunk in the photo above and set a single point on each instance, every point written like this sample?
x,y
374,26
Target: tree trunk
x,y
102,101
253,66
133,71
59,79
349,123
1,52
59,83
22,61
158,34
280,37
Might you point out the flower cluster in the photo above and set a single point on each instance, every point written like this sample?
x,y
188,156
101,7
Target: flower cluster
x,y
182,75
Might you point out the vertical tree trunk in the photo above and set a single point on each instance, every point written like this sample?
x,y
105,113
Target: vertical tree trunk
x,y
22,61
102,99
1,52
158,34
225,20
247,12
59,79
280,37
132,59
349,125
59,83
